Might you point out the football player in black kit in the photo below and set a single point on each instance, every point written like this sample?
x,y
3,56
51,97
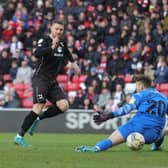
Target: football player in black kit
x,y
52,55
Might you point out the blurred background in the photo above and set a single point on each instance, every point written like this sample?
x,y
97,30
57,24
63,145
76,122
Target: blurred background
x,y
110,40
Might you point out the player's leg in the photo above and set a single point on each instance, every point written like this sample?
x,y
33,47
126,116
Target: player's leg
x,y
117,137
60,105
27,122
57,96
157,145
40,89
60,108
114,139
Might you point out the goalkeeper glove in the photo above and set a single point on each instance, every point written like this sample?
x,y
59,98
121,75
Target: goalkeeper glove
x,y
101,117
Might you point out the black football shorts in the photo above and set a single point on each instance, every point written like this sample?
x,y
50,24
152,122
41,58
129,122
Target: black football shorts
x,y
46,90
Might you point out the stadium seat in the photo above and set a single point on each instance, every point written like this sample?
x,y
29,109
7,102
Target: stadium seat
x,y
62,78
121,76
75,79
130,88
20,94
163,87
28,94
27,86
157,87
82,78
18,86
27,103
165,93
127,78
73,87
7,78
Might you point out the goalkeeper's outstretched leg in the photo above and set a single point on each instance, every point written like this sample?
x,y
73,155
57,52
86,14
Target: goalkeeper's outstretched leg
x,y
114,139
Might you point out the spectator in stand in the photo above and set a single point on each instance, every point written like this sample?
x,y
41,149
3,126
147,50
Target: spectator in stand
x,y
58,4
16,45
92,76
13,70
2,93
134,66
119,95
10,8
72,100
103,98
143,5
7,96
13,100
3,45
92,56
91,95
95,27
110,106
8,32
164,9
96,86
149,71
112,37
161,74
115,66
48,7
80,96
24,73
158,51
5,62
87,104
28,38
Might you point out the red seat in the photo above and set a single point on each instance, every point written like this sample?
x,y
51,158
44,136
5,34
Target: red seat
x,y
18,86
82,78
7,78
127,78
62,78
20,94
157,86
28,94
121,76
75,79
27,103
165,93
73,87
27,86
163,87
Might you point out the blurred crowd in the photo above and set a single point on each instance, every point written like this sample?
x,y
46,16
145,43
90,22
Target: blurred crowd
x,y
109,39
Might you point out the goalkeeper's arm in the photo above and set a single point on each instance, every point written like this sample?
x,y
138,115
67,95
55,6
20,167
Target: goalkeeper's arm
x,y
101,117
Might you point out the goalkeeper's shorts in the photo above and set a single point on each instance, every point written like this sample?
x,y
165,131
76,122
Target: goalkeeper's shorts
x,y
150,130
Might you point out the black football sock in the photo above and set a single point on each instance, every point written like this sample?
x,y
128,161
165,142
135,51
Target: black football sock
x,y
50,112
159,142
28,121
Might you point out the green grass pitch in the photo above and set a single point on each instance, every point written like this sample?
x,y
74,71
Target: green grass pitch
x,y
57,151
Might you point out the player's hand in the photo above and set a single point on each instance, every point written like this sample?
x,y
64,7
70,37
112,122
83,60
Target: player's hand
x,y
101,117
55,42
76,68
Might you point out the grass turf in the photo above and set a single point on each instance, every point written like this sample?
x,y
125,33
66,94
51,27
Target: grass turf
x,y
57,151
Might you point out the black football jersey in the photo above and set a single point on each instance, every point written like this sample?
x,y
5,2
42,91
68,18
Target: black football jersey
x,y
51,62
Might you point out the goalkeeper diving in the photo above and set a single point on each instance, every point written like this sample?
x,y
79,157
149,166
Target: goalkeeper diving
x,y
150,118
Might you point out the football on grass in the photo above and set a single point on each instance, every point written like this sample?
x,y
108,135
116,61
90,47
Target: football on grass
x,y
135,141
